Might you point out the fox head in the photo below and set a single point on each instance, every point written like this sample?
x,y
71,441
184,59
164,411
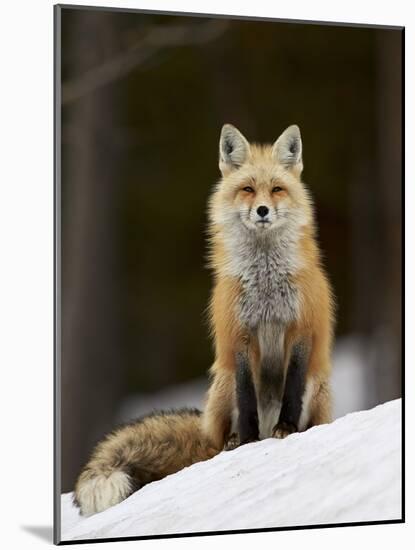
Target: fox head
x,y
260,189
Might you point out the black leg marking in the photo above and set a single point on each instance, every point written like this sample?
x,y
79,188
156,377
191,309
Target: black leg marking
x,y
294,389
246,401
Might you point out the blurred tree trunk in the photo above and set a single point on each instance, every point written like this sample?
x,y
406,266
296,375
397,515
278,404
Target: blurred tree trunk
x,y
376,214
389,186
367,274
91,384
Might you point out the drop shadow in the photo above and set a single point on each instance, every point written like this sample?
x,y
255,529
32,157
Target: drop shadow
x,y
44,532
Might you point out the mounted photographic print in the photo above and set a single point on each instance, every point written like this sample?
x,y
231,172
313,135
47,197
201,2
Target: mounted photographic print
x,y
228,274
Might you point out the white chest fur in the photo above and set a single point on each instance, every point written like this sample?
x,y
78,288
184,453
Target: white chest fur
x,y
265,265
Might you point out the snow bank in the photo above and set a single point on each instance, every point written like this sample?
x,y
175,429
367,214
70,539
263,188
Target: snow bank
x,y
347,471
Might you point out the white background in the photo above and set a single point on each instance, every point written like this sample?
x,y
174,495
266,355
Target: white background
x,y
26,252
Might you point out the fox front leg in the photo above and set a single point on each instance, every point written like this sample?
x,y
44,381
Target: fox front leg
x,y
294,394
247,416
246,401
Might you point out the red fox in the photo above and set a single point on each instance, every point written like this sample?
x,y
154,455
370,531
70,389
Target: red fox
x,y
271,317
271,310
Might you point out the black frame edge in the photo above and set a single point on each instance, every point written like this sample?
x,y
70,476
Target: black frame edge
x,y
231,16
233,532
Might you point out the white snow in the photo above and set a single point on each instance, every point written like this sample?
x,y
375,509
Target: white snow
x,y
347,471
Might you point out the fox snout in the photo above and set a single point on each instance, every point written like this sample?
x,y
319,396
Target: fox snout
x,y
262,211
262,216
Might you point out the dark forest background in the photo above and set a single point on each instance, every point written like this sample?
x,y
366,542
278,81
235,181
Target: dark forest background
x,y
143,99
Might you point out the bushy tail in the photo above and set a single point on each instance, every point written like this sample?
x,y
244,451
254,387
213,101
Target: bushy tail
x,y
96,492
140,452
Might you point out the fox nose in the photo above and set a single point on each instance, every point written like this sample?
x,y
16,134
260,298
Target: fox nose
x,y
262,211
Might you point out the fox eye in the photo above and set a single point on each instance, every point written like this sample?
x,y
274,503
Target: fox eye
x,y
277,189
248,189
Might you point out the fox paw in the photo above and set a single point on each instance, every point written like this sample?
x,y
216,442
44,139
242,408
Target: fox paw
x,y
283,429
232,443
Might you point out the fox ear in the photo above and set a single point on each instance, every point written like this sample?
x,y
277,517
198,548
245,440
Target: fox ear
x,y
234,149
288,148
